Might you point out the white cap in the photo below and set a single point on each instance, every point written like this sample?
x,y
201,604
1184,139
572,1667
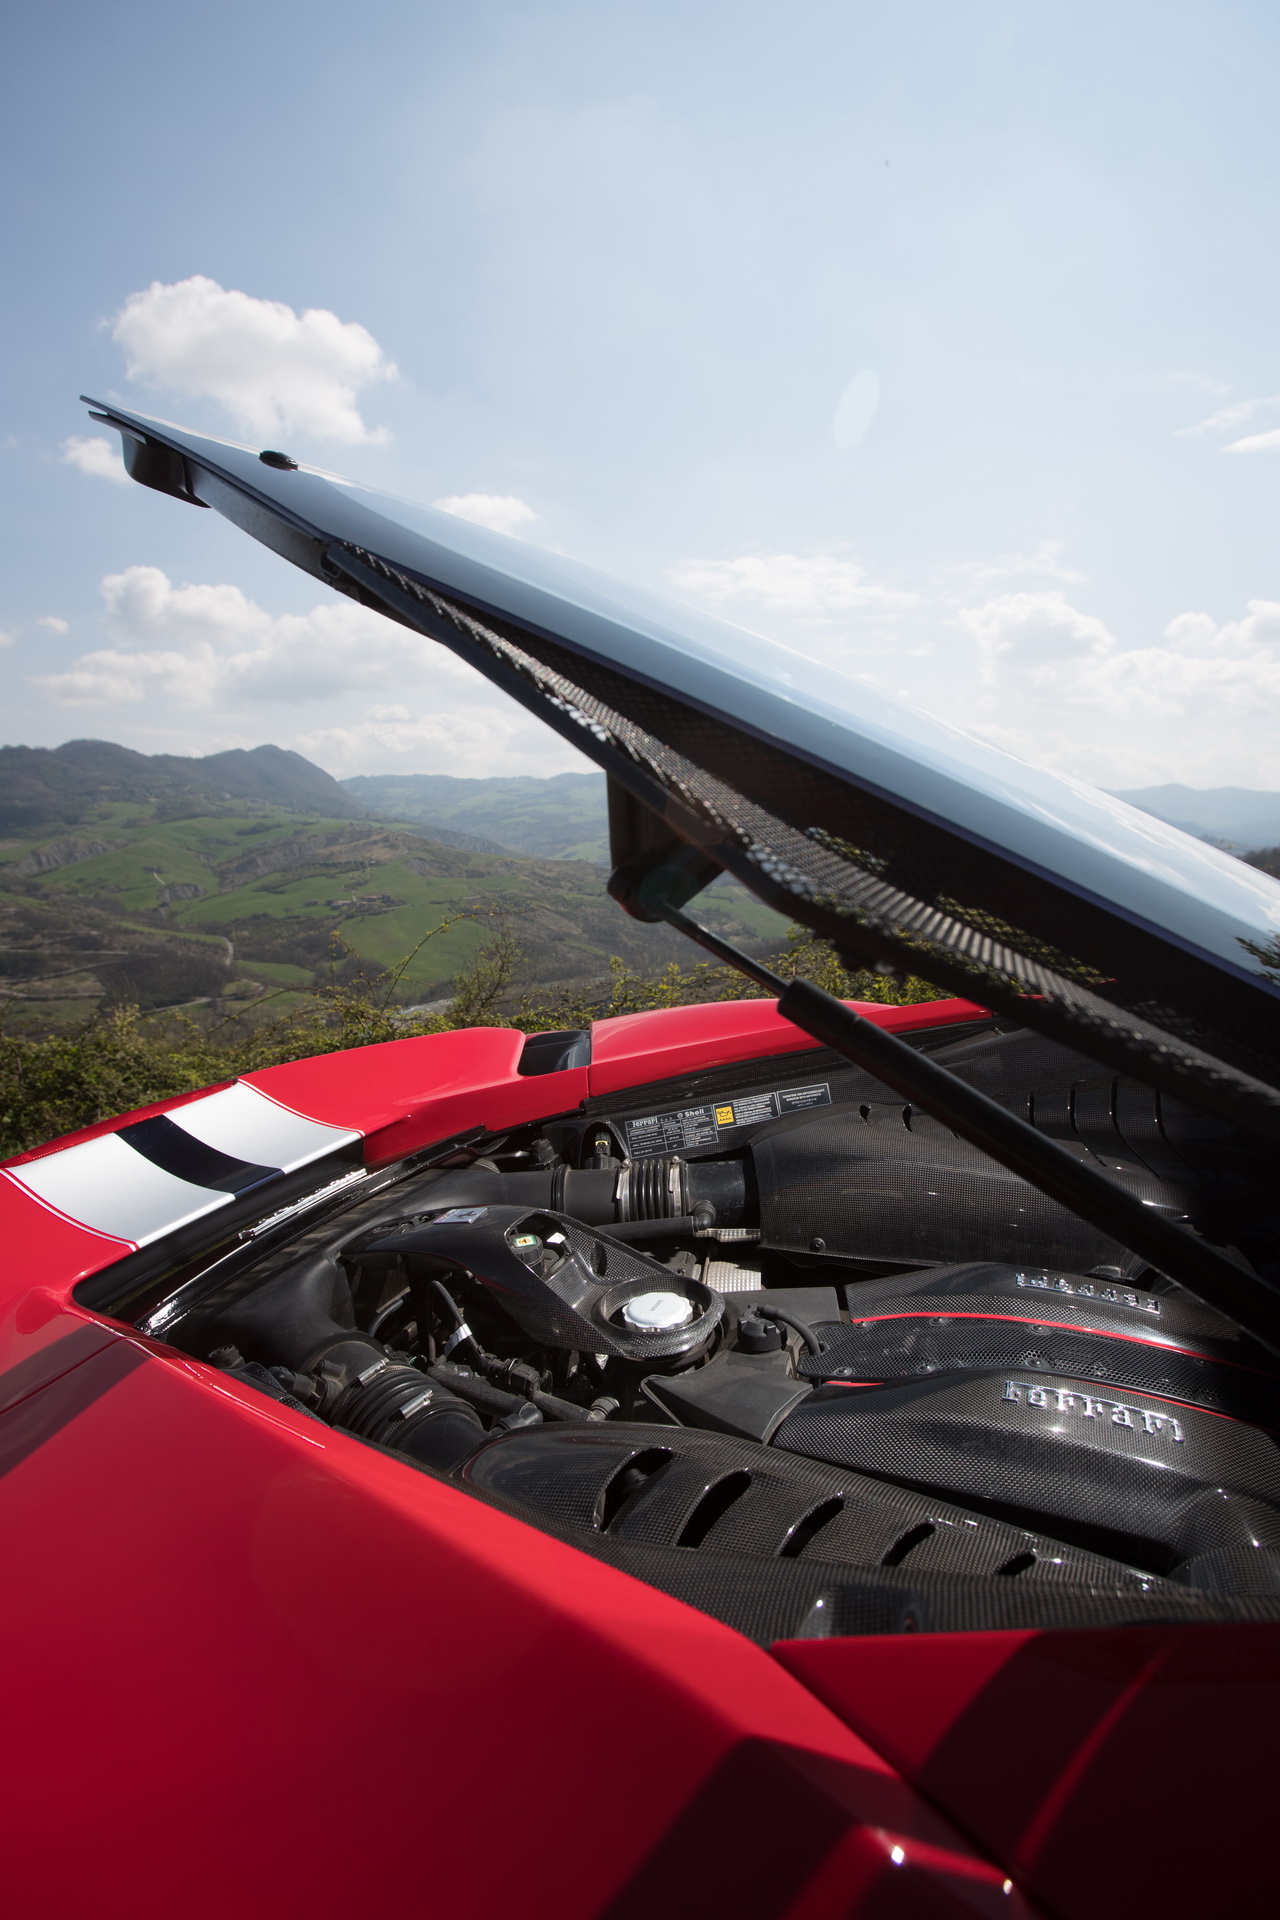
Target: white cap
x,y
656,1312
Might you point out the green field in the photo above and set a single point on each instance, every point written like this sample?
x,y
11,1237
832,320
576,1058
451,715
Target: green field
x,y
563,817
133,903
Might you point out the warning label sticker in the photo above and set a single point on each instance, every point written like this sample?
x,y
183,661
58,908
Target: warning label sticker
x,y
796,1099
692,1127
755,1107
679,1132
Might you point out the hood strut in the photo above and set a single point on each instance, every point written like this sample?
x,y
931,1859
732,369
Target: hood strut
x,y
1203,1269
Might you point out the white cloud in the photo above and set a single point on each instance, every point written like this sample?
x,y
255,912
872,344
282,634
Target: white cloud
x,y
1255,442
95,456
1203,673
1031,632
208,649
53,624
206,645
1233,416
7,637
789,582
503,512
474,743
1201,705
276,372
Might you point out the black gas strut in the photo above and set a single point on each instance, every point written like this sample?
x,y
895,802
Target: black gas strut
x,y
1196,1264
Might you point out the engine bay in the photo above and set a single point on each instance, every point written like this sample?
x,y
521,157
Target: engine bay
x,y
790,1349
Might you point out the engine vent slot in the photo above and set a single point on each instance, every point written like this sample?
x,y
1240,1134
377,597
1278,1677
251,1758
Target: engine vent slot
x,y
713,1506
807,1529
907,1543
627,1482
1020,1563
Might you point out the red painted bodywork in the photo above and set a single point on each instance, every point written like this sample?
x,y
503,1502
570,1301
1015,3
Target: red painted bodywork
x,y
1128,1770
278,1671
256,1667
406,1093
639,1047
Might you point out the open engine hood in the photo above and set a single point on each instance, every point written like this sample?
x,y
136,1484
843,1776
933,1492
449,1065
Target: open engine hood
x,y
903,839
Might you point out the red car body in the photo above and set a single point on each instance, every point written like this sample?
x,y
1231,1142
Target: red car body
x,y
448,1711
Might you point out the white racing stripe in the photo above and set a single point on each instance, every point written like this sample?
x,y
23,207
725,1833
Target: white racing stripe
x,y
244,1124
110,1185
104,1184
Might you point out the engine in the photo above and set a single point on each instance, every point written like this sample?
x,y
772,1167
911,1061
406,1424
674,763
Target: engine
x,y
794,1352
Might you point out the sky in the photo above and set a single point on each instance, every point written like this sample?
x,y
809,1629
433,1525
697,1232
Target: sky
x,y
936,339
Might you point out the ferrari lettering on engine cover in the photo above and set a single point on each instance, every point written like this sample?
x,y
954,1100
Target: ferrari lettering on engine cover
x,y
1090,1290
1090,1406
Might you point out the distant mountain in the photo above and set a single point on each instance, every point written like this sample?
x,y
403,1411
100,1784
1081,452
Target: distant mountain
x,y
563,817
1237,814
62,786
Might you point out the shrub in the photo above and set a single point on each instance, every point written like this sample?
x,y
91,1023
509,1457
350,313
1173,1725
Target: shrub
x,y
115,1061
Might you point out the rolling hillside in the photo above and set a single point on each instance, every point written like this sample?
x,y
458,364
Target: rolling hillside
x,y
560,818
162,905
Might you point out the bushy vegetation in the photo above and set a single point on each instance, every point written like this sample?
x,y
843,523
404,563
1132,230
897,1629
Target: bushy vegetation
x,y
120,1059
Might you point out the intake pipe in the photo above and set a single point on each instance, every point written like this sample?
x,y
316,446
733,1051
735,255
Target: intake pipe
x,y
296,1339
713,1193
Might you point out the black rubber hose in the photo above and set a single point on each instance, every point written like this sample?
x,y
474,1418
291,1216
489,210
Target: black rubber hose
x,y
459,1323
480,1393
801,1327
383,1314
397,1408
557,1409
634,1231
442,1440
496,1400
459,1318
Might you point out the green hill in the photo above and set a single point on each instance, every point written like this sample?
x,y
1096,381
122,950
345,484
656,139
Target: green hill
x,y
50,786
561,818
164,903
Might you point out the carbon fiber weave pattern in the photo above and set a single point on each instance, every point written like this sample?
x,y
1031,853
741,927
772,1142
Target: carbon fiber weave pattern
x,y
882,885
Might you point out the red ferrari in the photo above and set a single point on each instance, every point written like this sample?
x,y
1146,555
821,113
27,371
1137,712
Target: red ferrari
x,y
778,1458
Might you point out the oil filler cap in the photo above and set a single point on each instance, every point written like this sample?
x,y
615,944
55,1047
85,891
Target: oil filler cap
x,y
657,1312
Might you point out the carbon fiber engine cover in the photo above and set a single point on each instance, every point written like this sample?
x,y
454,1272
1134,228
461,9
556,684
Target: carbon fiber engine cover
x,y
1138,1475
674,1487
982,1317
885,1183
